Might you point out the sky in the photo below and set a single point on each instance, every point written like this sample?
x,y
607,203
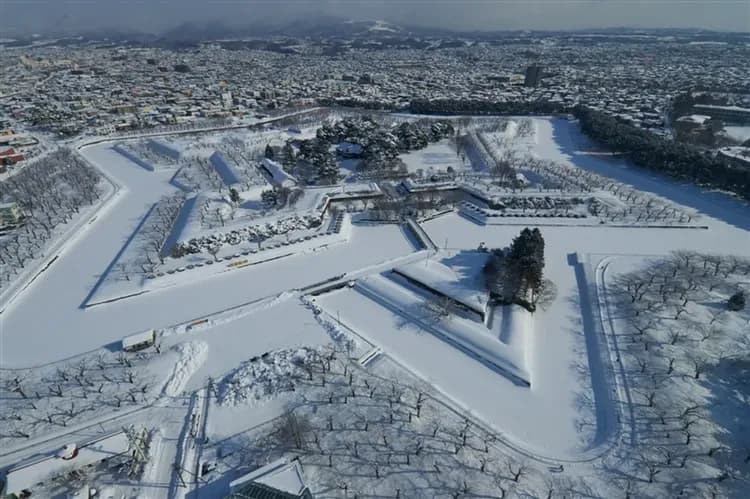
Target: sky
x,y
154,16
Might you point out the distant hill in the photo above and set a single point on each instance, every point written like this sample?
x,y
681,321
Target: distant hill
x,y
336,34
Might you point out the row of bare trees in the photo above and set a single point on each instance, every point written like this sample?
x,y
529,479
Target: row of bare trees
x,y
637,206
40,399
179,127
154,235
50,192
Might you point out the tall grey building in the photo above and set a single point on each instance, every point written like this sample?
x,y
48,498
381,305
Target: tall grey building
x,y
533,76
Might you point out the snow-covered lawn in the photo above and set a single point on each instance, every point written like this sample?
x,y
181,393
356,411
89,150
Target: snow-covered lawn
x,y
738,133
435,158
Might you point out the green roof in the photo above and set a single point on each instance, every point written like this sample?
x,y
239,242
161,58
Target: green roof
x,y
255,490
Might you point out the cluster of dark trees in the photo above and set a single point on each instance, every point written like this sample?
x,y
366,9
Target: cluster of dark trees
x,y
357,103
316,163
676,159
380,145
278,197
679,160
460,106
515,274
737,301
373,136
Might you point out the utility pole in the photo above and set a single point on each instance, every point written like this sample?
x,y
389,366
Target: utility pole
x,y
178,469
138,447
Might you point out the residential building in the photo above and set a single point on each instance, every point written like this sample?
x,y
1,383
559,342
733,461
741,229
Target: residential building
x,y
10,214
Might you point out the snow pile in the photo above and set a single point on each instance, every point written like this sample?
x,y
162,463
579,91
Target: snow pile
x,y
266,376
511,130
192,355
738,133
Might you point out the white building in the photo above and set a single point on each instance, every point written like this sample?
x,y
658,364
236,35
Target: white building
x,y
276,174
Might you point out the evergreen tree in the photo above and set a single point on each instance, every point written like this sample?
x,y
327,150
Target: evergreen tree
x,y
736,301
269,197
234,196
327,170
521,270
289,160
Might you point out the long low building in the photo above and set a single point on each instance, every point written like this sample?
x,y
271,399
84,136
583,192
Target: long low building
x,y
276,175
36,473
732,114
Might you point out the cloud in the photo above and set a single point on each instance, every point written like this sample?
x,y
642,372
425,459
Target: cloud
x,y
158,15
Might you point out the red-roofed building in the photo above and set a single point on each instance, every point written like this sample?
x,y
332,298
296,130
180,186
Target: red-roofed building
x,y
10,157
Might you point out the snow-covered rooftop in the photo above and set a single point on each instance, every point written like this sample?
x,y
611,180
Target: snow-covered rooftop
x,y
282,474
29,474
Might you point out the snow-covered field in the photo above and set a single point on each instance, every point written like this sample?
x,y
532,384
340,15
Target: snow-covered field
x,y
738,133
464,402
435,158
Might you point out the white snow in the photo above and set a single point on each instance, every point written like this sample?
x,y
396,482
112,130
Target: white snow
x,y
435,158
738,133
81,265
192,355
457,275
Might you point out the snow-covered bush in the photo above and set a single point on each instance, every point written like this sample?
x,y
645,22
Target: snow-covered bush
x,y
266,376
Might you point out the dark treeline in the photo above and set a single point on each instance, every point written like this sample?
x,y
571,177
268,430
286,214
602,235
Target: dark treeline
x,y
679,160
358,104
459,106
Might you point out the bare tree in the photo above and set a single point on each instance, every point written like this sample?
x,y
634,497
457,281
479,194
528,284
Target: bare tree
x,y
292,431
